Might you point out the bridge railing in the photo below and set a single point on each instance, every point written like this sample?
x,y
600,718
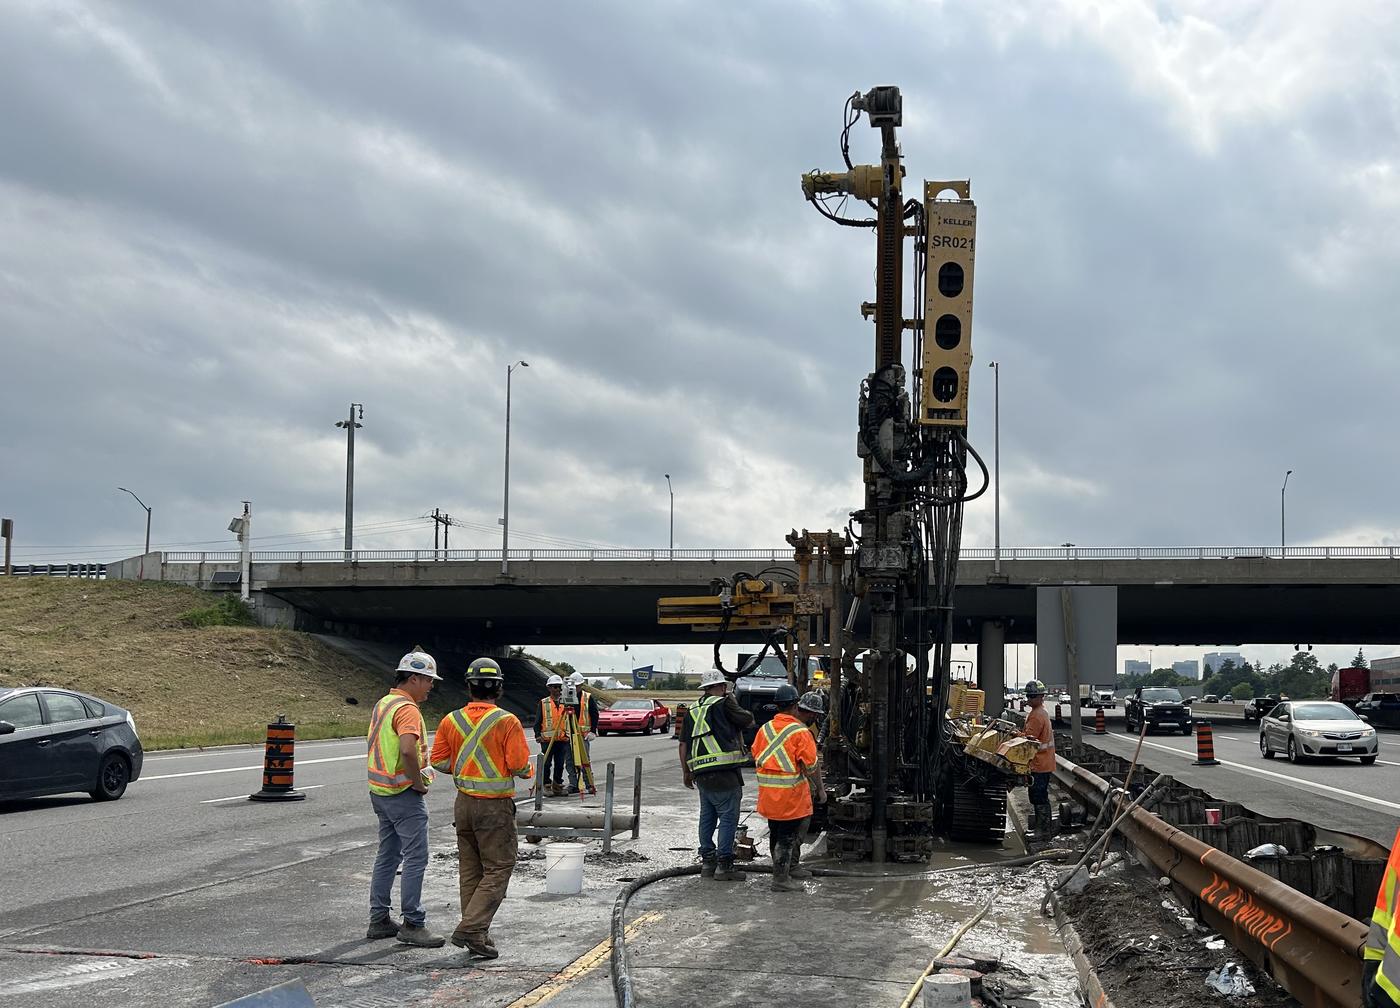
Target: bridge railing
x,y
784,555
78,570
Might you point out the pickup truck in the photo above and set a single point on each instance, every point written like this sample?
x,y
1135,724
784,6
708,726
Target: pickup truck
x,y
1157,707
1256,708
1380,708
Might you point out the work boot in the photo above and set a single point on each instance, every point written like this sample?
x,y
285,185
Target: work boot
x,y
795,869
782,880
480,946
573,789
707,866
1043,828
417,934
385,927
726,872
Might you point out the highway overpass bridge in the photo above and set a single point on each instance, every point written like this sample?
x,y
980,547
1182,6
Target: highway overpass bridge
x,y
1165,595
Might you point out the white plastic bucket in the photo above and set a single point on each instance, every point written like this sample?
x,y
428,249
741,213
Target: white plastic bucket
x,y
943,990
563,868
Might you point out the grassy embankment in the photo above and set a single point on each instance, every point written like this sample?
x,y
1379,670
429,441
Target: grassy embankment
x,y
167,654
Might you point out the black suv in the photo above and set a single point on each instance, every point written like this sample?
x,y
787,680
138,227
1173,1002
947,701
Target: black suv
x,y
1255,709
1157,707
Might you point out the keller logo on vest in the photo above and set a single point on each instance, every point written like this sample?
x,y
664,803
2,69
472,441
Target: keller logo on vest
x,y
706,750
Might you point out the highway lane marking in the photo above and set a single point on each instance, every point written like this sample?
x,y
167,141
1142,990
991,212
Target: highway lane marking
x,y
1296,781
240,769
580,967
243,797
237,750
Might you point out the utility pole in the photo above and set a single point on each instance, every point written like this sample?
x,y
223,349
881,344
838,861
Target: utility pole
x,y
996,465
141,571
244,527
672,492
7,532
505,496
350,426
1283,517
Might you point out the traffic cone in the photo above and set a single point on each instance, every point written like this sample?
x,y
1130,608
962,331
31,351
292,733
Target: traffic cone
x,y
278,756
676,721
1205,745
1100,722
1059,717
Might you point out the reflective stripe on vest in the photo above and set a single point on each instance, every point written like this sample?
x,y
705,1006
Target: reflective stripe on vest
x,y
1383,918
384,775
551,719
585,721
784,774
705,750
488,781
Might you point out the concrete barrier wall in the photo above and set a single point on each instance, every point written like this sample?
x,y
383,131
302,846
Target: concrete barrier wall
x,y
1218,711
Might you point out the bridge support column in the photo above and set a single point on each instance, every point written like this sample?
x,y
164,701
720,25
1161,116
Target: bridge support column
x,y
991,665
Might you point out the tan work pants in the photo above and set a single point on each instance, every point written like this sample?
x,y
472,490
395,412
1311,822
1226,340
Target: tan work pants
x,y
485,858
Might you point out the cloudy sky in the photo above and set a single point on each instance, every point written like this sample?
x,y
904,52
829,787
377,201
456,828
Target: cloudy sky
x,y
226,221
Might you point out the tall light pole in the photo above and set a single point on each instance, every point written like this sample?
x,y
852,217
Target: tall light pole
x,y
505,496
996,465
350,426
141,573
672,492
1283,517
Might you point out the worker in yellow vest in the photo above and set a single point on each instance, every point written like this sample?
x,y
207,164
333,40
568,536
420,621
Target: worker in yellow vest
x,y
483,747
398,784
1380,962
552,736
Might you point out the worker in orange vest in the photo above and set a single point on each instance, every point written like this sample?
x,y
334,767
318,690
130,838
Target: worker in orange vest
x,y
1043,762
785,764
483,747
1380,962
552,736
398,786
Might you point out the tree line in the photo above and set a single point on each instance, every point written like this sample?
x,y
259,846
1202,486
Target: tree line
x,y
1303,678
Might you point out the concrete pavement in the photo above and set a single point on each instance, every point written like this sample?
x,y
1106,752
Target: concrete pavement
x,y
1339,794
184,892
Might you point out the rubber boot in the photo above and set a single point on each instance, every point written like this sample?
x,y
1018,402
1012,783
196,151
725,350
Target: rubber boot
x,y
707,866
1043,823
782,880
726,872
795,869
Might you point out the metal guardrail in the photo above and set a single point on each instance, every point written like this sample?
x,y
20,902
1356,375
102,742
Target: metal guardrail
x,y
80,570
1009,555
1313,951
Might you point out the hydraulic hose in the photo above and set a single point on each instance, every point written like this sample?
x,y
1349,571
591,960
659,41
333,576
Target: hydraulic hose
x,y
621,975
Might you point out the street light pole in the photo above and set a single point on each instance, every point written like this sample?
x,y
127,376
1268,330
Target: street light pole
x,y
505,495
672,492
141,572
1283,517
996,465
350,426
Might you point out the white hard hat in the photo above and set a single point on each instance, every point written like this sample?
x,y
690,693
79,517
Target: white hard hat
x,y
577,679
812,701
712,677
554,680
419,662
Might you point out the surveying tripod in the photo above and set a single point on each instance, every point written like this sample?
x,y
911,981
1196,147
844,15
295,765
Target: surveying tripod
x,y
578,748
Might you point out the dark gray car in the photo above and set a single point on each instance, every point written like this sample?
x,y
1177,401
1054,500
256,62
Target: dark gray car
x,y
54,741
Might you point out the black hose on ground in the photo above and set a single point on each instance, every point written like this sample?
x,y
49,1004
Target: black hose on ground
x,y
622,978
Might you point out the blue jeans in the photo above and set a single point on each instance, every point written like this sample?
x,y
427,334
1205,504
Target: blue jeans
x,y
556,759
576,771
403,837
1040,789
722,807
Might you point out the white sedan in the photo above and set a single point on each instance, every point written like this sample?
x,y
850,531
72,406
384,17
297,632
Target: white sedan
x,y
1304,728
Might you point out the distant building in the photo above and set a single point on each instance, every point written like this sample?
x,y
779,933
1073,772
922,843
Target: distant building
x,y
1132,667
1385,675
1188,669
1217,659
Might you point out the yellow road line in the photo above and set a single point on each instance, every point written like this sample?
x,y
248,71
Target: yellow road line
x,y
581,966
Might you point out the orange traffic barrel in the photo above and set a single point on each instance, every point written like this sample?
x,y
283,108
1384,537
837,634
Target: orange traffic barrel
x,y
278,757
1205,745
1058,715
676,723
1100,722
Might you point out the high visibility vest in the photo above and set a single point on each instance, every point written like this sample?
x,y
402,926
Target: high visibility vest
x,y
385,777
585,718
773,764
552,725
473,769
1383,940
706,752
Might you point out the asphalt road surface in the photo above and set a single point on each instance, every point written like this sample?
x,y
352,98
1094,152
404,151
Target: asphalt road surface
x,y
1339,794
186,893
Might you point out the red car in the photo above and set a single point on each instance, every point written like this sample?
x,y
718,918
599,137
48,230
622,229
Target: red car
x,y
645,716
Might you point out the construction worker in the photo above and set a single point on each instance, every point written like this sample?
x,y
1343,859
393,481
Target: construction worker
x,y
785,762
552,736
398,781
1380,962
712,752
1043,762
584,713
483,747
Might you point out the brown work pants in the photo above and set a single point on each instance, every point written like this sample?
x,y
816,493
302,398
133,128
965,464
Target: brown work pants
x,y
485,858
